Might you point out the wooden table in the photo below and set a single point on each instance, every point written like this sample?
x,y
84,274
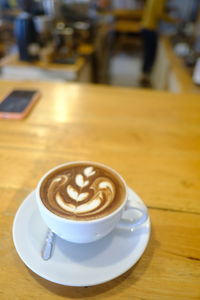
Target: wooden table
x,y
152,139
14,69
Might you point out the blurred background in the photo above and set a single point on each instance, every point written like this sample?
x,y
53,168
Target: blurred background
x,y
136,43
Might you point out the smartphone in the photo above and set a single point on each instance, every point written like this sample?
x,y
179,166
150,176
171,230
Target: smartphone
x,y
18,103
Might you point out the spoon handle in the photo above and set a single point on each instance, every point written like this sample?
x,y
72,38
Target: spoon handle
x,y
47,248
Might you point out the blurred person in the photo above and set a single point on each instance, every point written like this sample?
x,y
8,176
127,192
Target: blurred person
x,y
154,12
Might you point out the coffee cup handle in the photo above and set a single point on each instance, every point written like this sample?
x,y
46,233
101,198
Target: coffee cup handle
x,y
133,221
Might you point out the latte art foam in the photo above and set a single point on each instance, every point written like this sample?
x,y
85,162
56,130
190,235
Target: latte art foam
x,y
73,197
81,192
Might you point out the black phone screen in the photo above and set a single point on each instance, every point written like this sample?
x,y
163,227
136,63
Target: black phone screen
x,y
17,101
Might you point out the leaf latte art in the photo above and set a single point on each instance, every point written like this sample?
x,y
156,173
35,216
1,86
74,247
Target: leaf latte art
x,y
80,192
69,194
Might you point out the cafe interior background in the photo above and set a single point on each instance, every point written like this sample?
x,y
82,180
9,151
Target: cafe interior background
x,y
98,42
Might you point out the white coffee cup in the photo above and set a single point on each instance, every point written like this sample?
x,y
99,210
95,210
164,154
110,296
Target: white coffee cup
x,y
86,231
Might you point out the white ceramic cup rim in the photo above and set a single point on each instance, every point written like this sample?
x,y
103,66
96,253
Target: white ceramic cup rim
x,y
63,219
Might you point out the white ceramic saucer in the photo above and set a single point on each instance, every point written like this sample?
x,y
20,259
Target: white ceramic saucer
x,y
77,264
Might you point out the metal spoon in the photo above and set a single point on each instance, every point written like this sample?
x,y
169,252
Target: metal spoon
x,y
47,248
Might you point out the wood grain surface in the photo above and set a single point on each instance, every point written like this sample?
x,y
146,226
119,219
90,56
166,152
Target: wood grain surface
x,y
151,138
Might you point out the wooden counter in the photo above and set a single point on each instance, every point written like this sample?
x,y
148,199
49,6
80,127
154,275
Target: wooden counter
x,y
169,71
151,138
14,69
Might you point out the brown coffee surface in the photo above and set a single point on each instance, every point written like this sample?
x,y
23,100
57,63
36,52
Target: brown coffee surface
x,y
82,191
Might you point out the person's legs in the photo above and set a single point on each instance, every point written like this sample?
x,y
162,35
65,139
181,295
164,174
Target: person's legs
x,y
150,39
150,47
145,38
